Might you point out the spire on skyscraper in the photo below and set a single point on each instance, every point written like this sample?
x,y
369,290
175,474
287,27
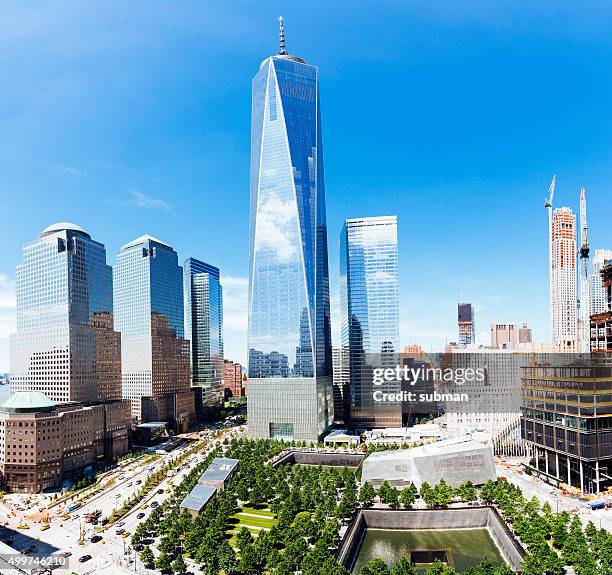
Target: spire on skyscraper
x,y
281,36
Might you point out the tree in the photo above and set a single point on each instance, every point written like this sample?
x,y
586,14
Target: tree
x,y
147,557
163,562
487,493
407,497
375,567
367,494
403,567
427,494
443,493
467,491
179,566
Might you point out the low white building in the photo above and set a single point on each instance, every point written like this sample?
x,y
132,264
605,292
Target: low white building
x,y
455,460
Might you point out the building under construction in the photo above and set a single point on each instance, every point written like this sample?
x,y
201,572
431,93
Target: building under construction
x,y
465,323
601,323
567,419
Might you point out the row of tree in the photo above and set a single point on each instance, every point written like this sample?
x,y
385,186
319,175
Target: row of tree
x,y
439,495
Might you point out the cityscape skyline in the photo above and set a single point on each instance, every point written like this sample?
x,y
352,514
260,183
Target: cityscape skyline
x,y
139,205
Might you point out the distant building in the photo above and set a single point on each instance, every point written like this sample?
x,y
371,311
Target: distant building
x,y
42,444
203,297
465,323
414,350
232,379
525,334
369,282
597,290
563,280
341,384
503,335
65,345
601,323
148,302
455,460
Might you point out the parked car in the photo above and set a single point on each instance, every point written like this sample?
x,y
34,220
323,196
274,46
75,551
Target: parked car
x,y
84,558
140,516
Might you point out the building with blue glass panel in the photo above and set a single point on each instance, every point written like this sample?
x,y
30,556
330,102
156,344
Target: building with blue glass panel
x,y
369,287
203,295
289,339
148,302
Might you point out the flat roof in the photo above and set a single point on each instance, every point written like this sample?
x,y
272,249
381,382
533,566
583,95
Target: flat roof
x,y
219,469
153,424
196,500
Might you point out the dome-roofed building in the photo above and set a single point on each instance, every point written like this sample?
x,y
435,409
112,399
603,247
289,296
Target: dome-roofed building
x,y
27,402
63,226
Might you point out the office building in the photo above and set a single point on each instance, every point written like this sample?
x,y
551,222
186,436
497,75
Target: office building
x,y
569,439
563,280
203,297
601,323
369,286
341,383
465,323
232,379
289,337
525,335
148,303
42,443
503,335
65,345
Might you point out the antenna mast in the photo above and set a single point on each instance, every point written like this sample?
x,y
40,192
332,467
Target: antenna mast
x,y
281,37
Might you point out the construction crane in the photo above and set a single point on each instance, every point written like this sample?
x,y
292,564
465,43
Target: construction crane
x,y
584,303
548,204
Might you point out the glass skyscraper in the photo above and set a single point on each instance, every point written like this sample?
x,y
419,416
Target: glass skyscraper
x,y
148,302
289,343
203,296
65,346
369,287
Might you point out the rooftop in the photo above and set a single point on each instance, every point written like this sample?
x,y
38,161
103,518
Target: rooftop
x,y
444,447
145,239
60,227
196,500
27,402
219,469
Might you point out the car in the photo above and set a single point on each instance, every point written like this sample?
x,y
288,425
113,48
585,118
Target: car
x,y
139,481
23,526
125,534
96,538
140,516
84,558
120,524
45,527
154,503
65,554
120,531
160,491
167,490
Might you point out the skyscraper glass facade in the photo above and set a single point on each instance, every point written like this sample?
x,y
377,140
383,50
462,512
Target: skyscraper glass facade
x,y
203,297
289,322
65,346
148,302
369,287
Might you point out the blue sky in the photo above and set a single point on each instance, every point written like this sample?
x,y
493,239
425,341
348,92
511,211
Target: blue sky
x,y
132,118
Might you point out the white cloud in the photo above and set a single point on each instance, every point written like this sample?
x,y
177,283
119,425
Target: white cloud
x,y
71,170
235,303
277,228
139,200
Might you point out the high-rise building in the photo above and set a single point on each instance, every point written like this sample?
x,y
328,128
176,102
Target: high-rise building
x,y
203,297
65,346
525,334
148,303
503,335
465,323
232,379
341,384
563,280
289,340
598,293
369,286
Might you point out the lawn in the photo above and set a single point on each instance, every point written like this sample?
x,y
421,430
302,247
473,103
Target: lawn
x,y
255,520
